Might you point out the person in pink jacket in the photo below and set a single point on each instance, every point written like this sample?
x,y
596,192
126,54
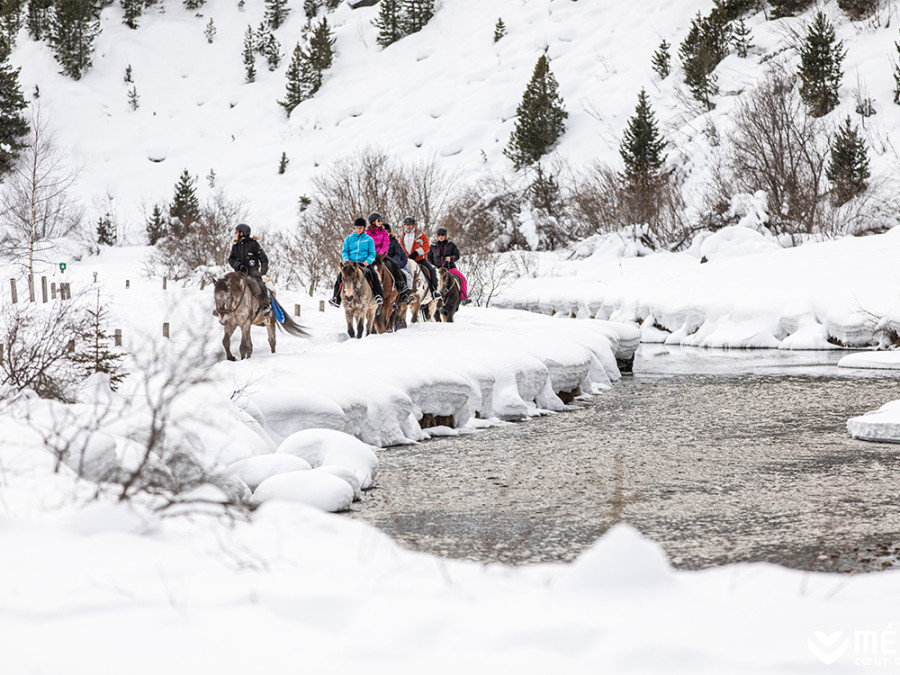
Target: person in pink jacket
x,y
382,242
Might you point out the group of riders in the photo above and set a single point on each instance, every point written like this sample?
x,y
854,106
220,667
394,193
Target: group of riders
x,y
370,239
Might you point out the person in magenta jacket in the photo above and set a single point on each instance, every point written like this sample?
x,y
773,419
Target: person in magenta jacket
x,y
382,243
359,248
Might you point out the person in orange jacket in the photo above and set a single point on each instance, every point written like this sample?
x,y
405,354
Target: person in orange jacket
x,y
416,244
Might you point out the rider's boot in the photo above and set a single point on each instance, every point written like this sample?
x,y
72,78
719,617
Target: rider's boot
x,y
335,301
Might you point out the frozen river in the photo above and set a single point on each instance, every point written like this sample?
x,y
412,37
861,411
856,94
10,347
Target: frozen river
x,y
720,456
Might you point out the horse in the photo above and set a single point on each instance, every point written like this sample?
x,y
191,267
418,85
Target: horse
x,y
238,298
421,299
451,290
386,321
358,299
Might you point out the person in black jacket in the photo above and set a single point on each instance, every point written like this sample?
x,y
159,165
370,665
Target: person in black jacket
x,y
248,257
444,253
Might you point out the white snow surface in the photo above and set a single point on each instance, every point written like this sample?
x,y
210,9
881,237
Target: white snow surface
x,y
95,585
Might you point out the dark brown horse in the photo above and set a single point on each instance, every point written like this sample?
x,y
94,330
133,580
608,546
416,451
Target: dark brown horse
x,y
238,299
451,290
358,299
386,321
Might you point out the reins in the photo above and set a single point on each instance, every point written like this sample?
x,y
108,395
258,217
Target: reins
x,y
237,304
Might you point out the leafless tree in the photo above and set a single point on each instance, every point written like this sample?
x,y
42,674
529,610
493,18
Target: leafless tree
x,y
35,204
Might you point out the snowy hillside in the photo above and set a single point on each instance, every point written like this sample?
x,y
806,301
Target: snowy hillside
x,y
448,92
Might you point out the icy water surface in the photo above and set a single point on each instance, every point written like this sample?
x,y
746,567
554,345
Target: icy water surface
x,y
720,456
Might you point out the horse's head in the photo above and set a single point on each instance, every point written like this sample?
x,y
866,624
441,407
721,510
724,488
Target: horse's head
x,y
224,299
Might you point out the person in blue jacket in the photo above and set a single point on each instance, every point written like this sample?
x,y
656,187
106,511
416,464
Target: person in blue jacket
x,y
359,248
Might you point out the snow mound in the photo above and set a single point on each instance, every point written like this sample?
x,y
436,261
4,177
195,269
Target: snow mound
x,y
315,488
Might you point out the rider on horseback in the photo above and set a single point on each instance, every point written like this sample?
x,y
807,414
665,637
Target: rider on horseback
x,y
248,257
359,248
382,243
444,253
396,253
416,244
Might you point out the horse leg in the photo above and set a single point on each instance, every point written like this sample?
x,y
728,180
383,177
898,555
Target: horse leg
x,y
226,341
246,345
359,327
270,327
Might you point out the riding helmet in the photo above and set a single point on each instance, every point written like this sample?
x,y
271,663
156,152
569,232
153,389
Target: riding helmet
x,y
409,220
387,227
374,216
243,229
442,230
359,222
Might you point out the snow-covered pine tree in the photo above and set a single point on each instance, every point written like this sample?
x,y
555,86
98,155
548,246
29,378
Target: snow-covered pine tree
x,y
106,231
858,9
131,12
73,29
96,356
37,18
194,4
210,31
820,67
283,163
249,55
11,19
783,8
271,49
133,98
295,90
740,38
642,146
389,22
416,14
14,126
321,50
661,61
184,210
276,13
540,118
499,30
157,226
704,47
848,169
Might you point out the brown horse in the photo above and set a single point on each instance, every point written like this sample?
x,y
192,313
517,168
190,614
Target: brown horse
x,y
238,299
358,299
421,299
386,321
451,290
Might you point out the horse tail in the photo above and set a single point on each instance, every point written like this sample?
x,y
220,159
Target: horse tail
x,y
289,326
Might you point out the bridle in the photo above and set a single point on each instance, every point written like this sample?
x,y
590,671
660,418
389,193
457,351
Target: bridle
x,y
230,310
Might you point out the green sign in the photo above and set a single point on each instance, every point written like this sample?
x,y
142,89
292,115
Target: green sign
x,y
62,267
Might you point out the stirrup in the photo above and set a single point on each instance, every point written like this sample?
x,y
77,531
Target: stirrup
x,y
334,302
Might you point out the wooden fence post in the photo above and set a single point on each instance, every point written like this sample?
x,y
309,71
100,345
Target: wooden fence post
x,y
31,287
71,346
128,283
53,291
14,294
44,289
321,305
296,310
95,277
164,283
1,353
117,337
202,284
166,329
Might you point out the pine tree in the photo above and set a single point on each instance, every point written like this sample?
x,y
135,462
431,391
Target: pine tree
x,y
642,146
106,231
897,74
701,51
184,210
276,13
283,163
416,14
296,90
321,49
820,67
210,31
249,56
783,8
131,12
740,38
97,357
389,23
194,4
127,77
157,226
72,33
37,18
848,169
11,19
499,30
14,126
133,98
271,49
858,9
540,118
662,60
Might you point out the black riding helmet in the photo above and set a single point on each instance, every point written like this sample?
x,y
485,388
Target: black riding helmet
x,y
442,230
375,216
386,226
243,230
409,220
